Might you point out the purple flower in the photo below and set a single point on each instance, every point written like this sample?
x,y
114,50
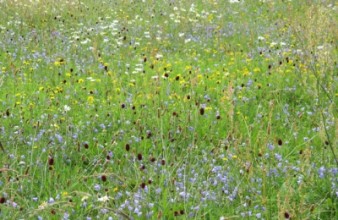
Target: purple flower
x,y
158,190
138,212
97,187
184,195
104,211
65,216
321,172
334,171
14,204
278,157
271,146
59,138
51,200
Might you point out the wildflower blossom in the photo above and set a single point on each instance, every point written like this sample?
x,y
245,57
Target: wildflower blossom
x,y
321,172
103,199
235,1
90,100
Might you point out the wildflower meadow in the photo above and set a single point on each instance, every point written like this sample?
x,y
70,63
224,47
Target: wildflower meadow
x,y
168,109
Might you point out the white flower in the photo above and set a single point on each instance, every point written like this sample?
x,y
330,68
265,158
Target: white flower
x,y
147,34
261,38
320,47
234,1
272,44
180,34
91,79
159,56
85,41
66,108
103,199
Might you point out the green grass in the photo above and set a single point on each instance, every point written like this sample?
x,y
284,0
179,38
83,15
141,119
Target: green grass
x,y
168,109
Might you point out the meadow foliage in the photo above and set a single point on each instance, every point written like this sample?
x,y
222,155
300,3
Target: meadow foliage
x,y
145,109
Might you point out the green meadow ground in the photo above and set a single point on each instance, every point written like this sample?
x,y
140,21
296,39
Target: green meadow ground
x,y
149,109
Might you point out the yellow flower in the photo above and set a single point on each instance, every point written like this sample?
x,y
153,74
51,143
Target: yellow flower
x,y
208,108
246,72
210,17
90,99
55,126
59,62
64,194
168,65
182,82
257,69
